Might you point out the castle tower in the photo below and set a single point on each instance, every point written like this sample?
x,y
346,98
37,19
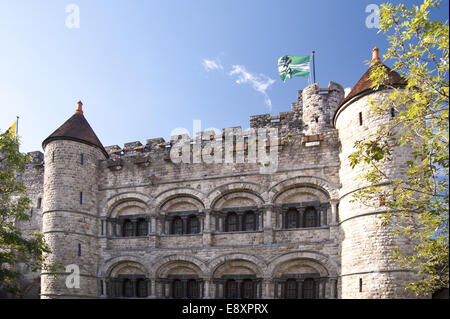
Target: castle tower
x,y
367,267
319,105
70,223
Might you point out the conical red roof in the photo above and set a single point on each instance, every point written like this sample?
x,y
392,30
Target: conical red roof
x,y
77,129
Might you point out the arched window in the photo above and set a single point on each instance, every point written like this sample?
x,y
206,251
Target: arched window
x,y
232,222
177,226
128,288
291,289
250,221
310,217
192,289
308,289
142,227
248,291
231,289
128,228
177,289
141,286
292,218
193,225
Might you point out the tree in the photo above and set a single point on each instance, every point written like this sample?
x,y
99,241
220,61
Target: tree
x,y
15,247
419,48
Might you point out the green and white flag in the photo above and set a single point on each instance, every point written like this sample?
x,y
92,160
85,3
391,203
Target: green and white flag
x,y
290,65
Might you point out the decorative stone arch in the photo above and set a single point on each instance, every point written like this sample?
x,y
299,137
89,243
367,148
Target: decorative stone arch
x,y
113,266
283,197
161,267
236,187
117,210
253,199
169,194
326,266
176,201
318,183
257,265
108,205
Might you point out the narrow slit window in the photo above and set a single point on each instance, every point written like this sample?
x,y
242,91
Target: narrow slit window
x,y
39,203
79,250
392,112
360,118
360,284
82,159
81,198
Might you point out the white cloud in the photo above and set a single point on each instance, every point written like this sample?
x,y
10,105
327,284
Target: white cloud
x,y
259,82
212,64
347,91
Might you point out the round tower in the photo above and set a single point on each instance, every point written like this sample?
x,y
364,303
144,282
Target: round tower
x,y
367,267
319,105
70,223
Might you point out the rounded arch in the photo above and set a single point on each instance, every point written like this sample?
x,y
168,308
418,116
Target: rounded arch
x,y
169,194
161,267
113,266
325,265
328,189
236,187
256,264
109,204
301,194
183,203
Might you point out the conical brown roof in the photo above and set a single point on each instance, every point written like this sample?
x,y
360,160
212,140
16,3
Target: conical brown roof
x,y
365,83
77,129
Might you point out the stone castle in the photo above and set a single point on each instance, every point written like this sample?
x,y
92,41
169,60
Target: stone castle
x,y
138,225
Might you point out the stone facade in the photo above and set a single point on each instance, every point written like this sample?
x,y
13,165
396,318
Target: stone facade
x,y
138,225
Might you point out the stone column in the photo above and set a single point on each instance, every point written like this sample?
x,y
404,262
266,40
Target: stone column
x,y
268,230
300,289
240,221
334,212
153,225
206,289
207,225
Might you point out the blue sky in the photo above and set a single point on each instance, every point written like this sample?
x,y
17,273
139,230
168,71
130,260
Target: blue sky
x,y
143,68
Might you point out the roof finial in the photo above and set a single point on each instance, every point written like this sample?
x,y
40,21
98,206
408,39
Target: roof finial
x,y
80,108
375,56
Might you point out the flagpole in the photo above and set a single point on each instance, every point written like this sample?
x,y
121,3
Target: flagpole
x,y
17,126
314,66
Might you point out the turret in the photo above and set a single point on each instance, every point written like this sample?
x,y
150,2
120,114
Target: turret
x,y
319,105
367,267
70,222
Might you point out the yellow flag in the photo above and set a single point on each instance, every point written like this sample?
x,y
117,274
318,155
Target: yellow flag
x,y
13,130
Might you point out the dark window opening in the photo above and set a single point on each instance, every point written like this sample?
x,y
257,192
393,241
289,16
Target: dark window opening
x,y
127,288
360,284
193,225
177,226
128,228
250,221
308,289
292,218
310,217
192,289
231,289
291,289
360,118
177,289
392,112
82,159
232,222
79,250
142,227
248,291
141,286
39,203
81,198
101,288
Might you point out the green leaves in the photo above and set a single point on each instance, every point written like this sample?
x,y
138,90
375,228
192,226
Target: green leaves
x,y
15,247
419,49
